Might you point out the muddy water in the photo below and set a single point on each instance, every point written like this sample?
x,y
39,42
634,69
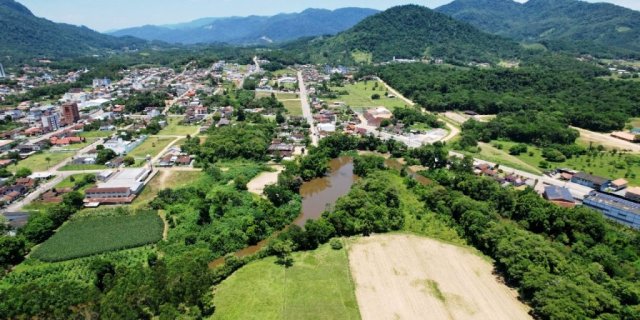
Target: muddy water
x,y
318,195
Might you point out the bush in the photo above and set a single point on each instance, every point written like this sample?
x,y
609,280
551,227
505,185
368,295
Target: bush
x,y
375,96
336,244
553,155
518,149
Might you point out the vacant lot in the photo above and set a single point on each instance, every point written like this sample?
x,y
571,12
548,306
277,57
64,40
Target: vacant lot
x,y
90,236
164,180
257,184
293,106
360,96
38,162
174,128
408,277
96,134
318,286
152,146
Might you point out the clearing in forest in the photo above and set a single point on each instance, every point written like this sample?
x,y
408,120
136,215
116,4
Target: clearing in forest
x,y
409,277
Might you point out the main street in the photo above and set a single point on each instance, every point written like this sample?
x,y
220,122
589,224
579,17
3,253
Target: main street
x,y
306,109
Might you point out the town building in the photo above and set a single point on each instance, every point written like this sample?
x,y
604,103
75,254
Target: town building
x,y
121,188
70,113
616,208
559,196
591,181
633,194
51,122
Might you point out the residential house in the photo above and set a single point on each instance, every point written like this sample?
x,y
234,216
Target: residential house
x,y
619,184
560,196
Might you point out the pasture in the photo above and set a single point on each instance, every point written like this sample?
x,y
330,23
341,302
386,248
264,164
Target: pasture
x,y
317,286
95,235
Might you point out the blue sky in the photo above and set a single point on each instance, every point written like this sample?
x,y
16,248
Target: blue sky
x,y
105,15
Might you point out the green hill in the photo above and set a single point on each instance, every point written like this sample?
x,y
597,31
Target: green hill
x,y
410,31
574,26
25,36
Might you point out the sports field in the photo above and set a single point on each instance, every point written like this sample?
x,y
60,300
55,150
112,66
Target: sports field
x,y
318,286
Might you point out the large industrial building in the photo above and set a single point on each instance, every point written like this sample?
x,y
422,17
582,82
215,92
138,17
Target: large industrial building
x,y
120,188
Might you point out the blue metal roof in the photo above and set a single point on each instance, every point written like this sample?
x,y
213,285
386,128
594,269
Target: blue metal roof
x,y
558,193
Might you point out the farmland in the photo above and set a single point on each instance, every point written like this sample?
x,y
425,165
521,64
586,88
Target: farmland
x,y
94,235
409,277
152,146
360,96
318,286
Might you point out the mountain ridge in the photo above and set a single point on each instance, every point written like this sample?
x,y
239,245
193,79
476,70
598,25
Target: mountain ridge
x,y
251,29
565,25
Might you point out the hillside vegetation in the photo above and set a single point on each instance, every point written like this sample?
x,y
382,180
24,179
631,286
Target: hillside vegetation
x,y
409,31
601,29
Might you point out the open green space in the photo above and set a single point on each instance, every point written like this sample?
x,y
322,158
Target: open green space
x,y
152,146
360,95
174,128
89,236
294,107
634,122
317,286
38,162
96,134
164,180
500,155
71,181
81,167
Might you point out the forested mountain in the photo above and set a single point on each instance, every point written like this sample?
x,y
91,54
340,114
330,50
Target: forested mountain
x,y
25,36
410,31
254,29
568,25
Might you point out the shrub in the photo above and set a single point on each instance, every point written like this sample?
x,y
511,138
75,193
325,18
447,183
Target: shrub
x,y
336,244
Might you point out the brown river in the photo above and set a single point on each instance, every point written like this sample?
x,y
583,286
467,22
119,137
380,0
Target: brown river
x,y
318,195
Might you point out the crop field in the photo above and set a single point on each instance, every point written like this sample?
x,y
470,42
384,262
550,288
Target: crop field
x,y
360,96
38,162
174,128
317,286
95,235
409,277
152,146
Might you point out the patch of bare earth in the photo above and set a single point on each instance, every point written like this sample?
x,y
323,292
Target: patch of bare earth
x,y
264,179
410,277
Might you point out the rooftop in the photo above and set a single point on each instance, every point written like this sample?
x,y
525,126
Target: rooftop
x,y
615,202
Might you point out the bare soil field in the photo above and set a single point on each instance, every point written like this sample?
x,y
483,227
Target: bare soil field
x,y
410,277
607,141
258,183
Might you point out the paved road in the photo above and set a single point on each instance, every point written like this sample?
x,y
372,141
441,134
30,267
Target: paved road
x,y
306,109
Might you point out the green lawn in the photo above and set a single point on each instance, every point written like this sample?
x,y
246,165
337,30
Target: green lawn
x,y
152,146
95,235
67,183
38,162
360,96
96,134
81,167
174,128
294,107
493,153
318,286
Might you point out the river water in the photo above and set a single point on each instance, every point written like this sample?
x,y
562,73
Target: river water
x,y
318,195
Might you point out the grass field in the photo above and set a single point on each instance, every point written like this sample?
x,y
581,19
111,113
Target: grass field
x,y
318,286
90,236
605,164
293,106
96,134
174,128
152,146
164,180
67,183
80,167
360,96
38,162
279,95
501,156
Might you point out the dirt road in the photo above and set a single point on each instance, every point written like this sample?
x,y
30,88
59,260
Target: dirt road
x,y
607,141
409,277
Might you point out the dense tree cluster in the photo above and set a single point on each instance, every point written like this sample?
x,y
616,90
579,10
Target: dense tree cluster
x,y
564,87
568,263
139,101
412,115
240,141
